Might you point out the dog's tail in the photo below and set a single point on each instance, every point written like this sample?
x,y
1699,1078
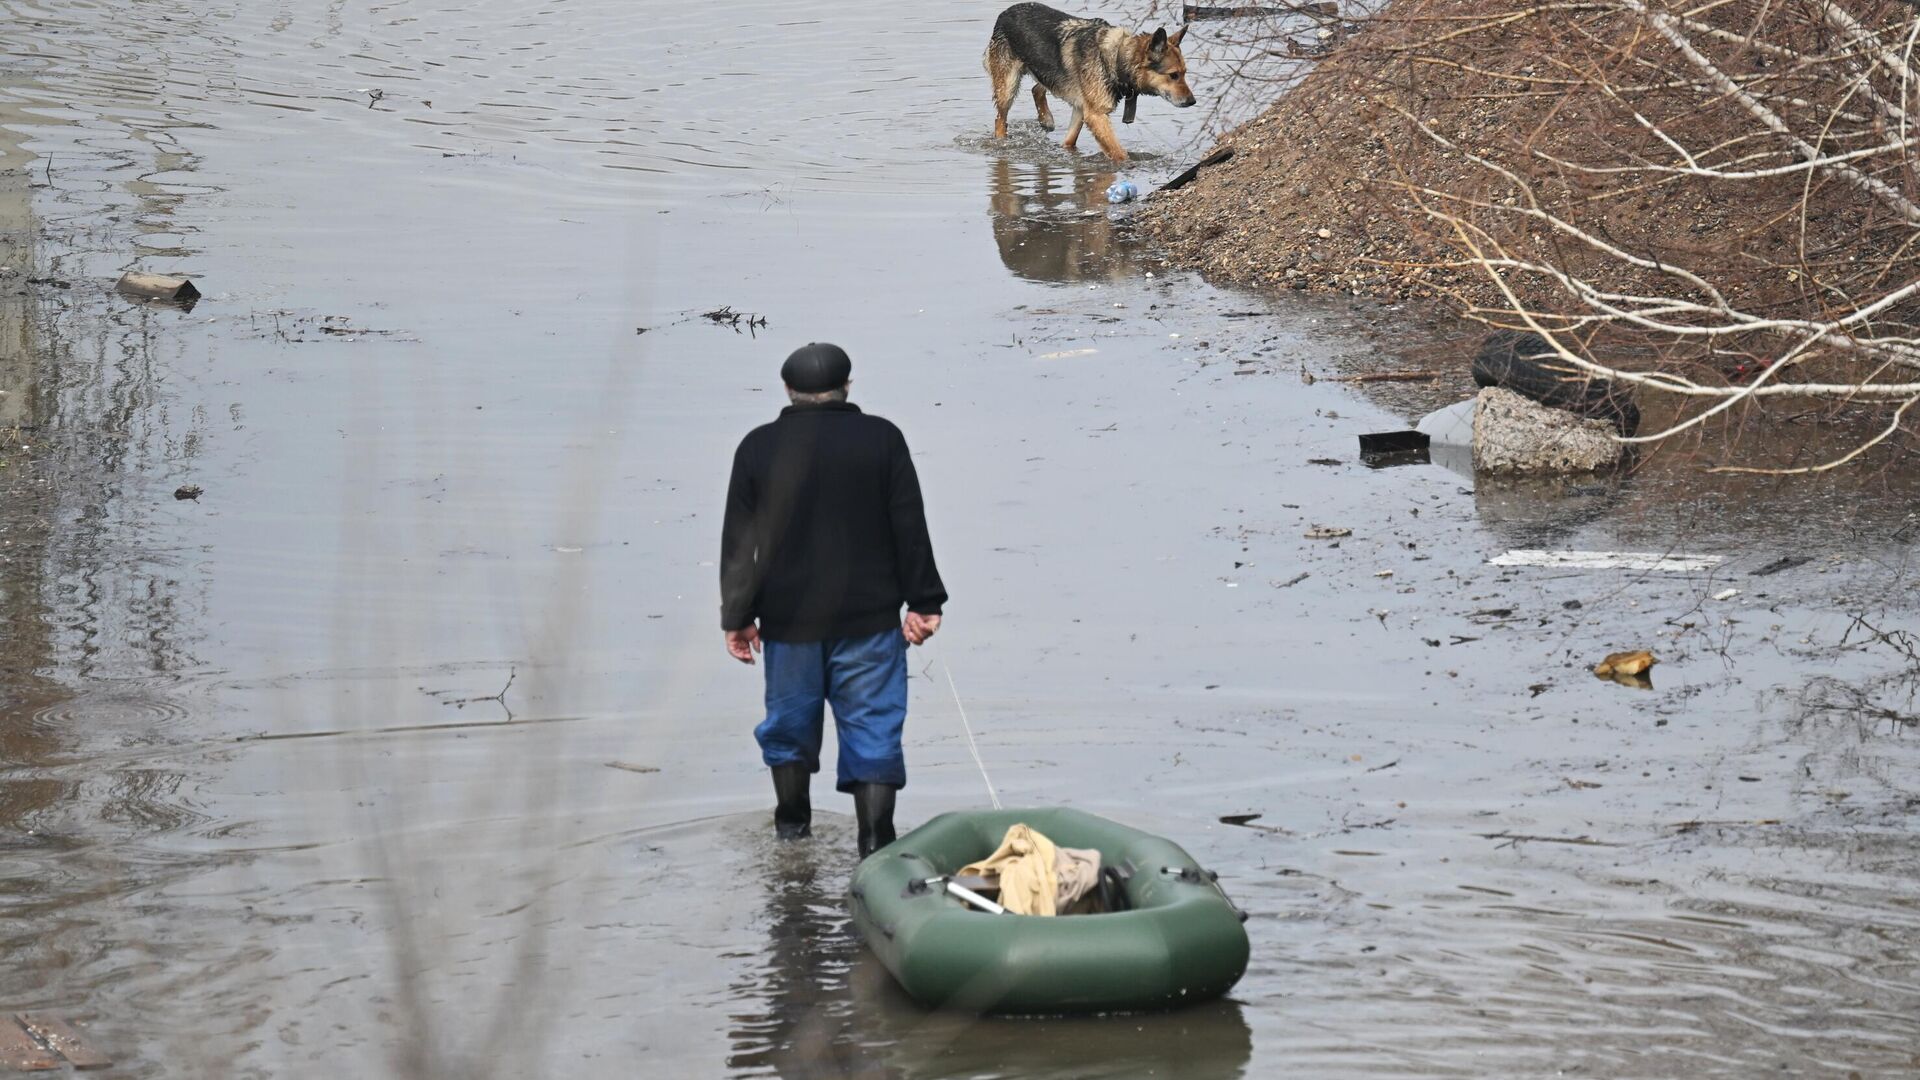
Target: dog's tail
x,y
997,43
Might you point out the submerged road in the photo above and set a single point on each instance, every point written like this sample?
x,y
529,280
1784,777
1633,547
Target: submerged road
x,y
409,748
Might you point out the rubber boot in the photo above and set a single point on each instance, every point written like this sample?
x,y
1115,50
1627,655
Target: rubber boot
x,y
793,810
873,809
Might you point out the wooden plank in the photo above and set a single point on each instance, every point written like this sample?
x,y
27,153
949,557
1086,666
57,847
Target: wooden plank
x,y
157,287
1187,177
20,1053
67,1042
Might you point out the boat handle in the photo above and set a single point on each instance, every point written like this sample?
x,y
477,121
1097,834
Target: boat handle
x,y
860,896
1193,875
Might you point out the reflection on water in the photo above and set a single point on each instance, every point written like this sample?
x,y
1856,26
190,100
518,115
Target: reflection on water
x,y
1674,492
90,603
1545,512
803,1027
26,645
1051,221
1206,1042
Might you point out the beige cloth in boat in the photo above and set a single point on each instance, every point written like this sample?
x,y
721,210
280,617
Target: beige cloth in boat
x,y
1078,871
1035,876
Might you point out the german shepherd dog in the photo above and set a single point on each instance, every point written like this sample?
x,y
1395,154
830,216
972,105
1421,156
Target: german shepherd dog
x,y
1089,63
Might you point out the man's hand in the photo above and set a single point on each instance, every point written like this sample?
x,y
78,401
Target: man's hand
x,y
918,628
743,643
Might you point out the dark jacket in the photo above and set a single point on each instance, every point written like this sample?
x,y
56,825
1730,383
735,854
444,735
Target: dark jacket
x,y
825,535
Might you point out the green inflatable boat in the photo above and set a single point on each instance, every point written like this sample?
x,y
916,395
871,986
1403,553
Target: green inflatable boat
x,y
1171,936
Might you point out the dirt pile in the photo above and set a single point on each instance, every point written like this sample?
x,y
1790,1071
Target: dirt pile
x,y
1580,152
1294,206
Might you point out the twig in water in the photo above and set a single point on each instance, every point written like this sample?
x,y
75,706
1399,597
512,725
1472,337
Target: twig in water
x,y
1901,641
1388,376
724,315
1689,826
501,697
1515,838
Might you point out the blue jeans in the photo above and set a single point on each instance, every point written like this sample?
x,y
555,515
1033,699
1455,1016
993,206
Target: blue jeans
x,y
865,679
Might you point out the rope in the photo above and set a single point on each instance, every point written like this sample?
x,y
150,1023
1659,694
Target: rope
x,y
968,728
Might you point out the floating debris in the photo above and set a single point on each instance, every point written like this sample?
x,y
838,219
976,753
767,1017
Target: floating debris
x,y
1627,668
1385,449
1512,839
1388,376
1327,532
156,287
1626,663
1608,560
188,491
19,1049
1250,821
724,315
295,327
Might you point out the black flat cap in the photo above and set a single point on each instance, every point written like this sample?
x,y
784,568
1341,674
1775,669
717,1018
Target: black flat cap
x,y
817,367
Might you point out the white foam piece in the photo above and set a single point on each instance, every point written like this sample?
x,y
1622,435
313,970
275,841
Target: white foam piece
x,y
1608,560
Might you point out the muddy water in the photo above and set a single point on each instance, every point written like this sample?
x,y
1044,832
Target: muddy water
x,y
267,811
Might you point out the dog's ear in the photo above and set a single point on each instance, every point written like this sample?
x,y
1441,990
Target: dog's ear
x,y
1157,48
1177,35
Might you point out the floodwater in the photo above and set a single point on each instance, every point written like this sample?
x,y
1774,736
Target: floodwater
x,y
265,809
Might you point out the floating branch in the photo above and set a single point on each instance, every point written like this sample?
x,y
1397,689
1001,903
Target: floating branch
x,y
724,315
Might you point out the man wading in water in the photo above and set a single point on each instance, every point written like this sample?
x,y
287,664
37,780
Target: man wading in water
x,y
825,538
